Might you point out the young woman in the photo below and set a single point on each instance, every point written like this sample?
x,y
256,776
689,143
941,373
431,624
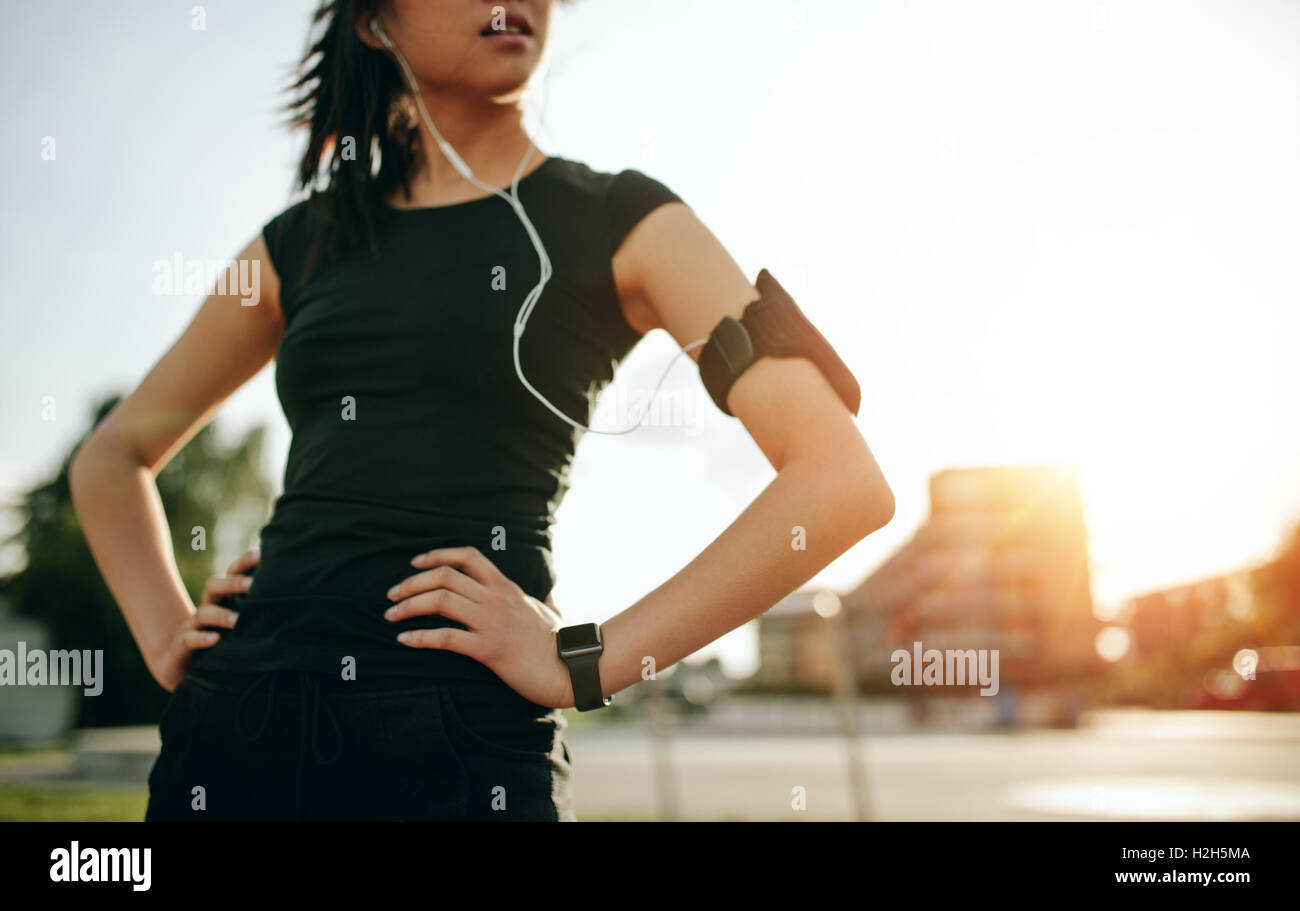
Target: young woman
x,y
393,654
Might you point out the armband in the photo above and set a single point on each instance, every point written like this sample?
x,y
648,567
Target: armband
x,y
772,326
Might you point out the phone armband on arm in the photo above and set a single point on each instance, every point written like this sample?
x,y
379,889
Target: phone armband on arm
x,y
772,326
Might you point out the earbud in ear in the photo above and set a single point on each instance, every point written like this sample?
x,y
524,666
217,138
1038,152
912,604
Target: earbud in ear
x,y
375,26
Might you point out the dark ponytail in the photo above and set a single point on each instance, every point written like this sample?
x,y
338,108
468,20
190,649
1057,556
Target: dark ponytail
x,y
362,137
363,130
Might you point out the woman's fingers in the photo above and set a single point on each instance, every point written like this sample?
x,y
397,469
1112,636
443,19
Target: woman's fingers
x,y
192,635
442,602
234,582
193,639
440,577
447,638
468,559
212,615
218,587
243,563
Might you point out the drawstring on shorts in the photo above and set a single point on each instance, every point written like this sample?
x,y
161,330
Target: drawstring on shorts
x,y
314,705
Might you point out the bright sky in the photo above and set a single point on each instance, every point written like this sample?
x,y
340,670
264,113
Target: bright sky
x,y
1036,231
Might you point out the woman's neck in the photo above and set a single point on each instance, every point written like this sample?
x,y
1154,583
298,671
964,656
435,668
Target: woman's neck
x,y
492,141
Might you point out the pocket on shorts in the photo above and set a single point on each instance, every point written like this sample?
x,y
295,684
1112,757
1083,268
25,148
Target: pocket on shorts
x,y
398,765
513,729
513,752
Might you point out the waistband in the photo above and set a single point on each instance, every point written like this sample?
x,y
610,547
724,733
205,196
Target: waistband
x,y
321,735
325,635
331,682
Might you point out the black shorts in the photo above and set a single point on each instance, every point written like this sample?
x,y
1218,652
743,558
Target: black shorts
x,y
298,745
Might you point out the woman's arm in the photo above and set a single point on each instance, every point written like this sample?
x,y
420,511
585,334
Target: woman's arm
x,y
112,475
829,493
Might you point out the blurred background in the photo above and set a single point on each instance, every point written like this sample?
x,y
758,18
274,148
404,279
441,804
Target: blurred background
x,y
1058,244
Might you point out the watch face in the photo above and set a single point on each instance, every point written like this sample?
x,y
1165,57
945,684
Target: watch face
x,y
584,635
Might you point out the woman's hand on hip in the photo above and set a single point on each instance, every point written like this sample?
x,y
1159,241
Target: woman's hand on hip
x,y
169,670
510,632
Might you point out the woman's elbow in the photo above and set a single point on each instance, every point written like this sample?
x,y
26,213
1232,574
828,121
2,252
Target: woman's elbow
x,y
876,506
80,468
856,494
869,493
97,452
887,507
848,481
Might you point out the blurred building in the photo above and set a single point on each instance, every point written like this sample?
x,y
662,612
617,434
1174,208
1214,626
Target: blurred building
x,y
1001,563
1171,621
793,649
1219,642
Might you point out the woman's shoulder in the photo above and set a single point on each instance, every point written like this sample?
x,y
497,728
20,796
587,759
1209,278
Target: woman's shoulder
x,y
624,197
610,183
287,224
288,236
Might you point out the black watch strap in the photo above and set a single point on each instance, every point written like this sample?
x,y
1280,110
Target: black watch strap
x,y
584,673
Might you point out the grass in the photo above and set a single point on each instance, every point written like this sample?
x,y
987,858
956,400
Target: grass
x,y
54,802
24,751
69,801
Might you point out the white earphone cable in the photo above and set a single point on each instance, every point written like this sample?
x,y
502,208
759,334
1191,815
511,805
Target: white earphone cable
x,y
531,299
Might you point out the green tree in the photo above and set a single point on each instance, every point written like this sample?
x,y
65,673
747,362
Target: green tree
x,y
60,585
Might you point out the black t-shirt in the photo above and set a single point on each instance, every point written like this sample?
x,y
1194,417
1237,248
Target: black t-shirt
x,y
410,429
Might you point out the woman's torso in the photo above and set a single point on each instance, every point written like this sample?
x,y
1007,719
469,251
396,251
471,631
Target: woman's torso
x,y
410,428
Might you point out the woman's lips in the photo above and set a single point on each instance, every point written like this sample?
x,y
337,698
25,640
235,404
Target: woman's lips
x,y
508,39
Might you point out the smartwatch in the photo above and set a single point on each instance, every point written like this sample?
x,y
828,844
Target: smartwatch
x,y
580,648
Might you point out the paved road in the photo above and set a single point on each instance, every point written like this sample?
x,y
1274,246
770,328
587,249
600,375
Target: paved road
x,y
1120,765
